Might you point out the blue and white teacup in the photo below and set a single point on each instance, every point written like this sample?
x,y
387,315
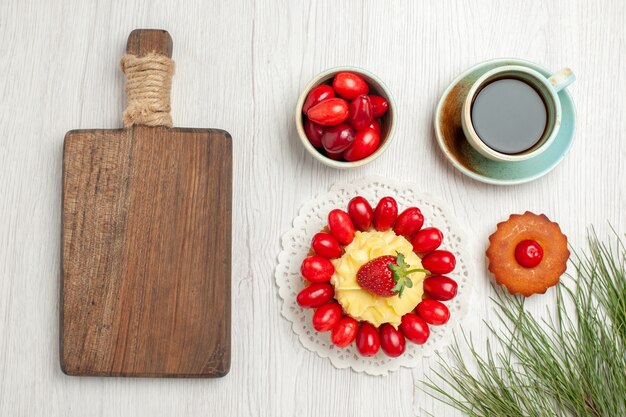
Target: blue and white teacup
x,y
547,88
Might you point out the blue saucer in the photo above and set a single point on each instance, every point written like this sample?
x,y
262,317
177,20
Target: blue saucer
x,y
459,152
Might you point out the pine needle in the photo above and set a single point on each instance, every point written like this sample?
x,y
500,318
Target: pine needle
x,y
571,365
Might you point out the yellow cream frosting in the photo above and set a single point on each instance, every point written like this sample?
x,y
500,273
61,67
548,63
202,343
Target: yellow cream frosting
x,y
360,303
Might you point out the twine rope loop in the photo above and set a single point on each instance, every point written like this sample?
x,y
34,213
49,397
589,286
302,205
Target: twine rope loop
x,y
148,86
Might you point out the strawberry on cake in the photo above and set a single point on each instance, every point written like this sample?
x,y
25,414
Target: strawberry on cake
x,y
368,288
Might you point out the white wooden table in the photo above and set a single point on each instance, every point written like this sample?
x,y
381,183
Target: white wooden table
x,y
241,65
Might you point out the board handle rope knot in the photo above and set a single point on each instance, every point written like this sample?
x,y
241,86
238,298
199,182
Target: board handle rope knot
x,y
148,87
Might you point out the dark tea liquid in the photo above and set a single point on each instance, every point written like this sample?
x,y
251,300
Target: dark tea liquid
x,y
509,115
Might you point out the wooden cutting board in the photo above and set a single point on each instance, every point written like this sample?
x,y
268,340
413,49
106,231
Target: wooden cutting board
x,y
146,248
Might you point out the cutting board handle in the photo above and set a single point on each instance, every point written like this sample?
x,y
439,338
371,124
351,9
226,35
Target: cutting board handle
x,y
144,41
148,67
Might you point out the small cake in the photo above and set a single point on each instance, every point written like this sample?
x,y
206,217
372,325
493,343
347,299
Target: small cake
x,y
527,254
362,304
375,277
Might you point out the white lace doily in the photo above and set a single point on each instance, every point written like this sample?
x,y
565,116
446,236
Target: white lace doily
x,y
296,244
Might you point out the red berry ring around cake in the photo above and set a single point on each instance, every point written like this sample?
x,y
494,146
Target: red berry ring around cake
x,y
377,278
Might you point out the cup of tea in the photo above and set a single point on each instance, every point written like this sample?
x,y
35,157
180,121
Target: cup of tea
x,y
513,113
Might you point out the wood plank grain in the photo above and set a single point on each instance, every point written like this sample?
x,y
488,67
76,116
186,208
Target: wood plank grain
x,y
146,252
146,247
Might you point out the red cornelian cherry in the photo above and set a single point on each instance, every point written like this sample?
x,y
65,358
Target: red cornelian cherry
x,y
314,132
528,253
338,138
376,126
360,110
379,105
349,85
317,95
329,112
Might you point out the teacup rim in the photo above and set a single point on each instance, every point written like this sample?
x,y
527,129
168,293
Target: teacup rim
x,y
473,138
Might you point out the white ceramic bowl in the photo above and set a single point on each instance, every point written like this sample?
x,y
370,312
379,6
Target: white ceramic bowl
x,y
388,121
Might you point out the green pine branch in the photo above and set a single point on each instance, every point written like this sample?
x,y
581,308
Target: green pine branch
x,y
571,365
